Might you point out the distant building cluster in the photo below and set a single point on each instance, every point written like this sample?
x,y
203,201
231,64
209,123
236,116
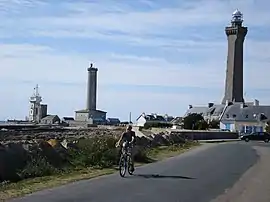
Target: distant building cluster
x,y
234,113
90,115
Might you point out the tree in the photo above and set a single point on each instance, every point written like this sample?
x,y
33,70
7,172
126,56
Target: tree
x,y
267,127
195,122
214,124
202,125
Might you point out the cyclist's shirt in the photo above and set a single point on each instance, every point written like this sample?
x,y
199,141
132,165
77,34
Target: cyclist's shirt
x,y
128,135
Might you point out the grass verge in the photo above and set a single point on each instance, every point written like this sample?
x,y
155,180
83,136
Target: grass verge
x,y
28,186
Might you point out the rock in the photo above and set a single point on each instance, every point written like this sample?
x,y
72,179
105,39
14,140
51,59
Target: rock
x,y
159,140
56,154
12,158
177,138
143,141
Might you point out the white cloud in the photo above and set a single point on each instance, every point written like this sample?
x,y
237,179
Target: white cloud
x,y
128,25
85,19
29,62
113,69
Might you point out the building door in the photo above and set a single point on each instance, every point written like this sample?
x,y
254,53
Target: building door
x,y
260,129
255,129
228,126
248,129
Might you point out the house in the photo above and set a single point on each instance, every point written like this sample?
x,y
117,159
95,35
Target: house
x,y
210,112
239,117
91,116
177,121
152,119
67,119
50,119
245,118
113,121
168,118
196,110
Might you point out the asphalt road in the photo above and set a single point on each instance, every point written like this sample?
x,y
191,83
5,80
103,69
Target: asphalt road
x,y
199,175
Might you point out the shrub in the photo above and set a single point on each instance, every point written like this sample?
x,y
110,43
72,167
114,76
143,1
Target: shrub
x,y
96,151
142,156
37,166
157,125
214,124
201,125
195,122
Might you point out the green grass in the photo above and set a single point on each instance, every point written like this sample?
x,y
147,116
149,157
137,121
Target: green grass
x,y
35,184
27,186
163,152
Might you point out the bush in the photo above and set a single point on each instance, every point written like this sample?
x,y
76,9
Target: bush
x,y
37,166
157,125
201,125
142,156
195,122
96,151
267,127
214,124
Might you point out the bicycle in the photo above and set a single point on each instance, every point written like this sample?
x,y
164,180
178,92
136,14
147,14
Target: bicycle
x,y
125,162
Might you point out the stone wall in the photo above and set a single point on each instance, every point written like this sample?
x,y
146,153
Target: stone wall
x,y
207,135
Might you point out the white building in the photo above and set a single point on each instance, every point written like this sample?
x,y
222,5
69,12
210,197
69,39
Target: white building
x,y
153,118
37,110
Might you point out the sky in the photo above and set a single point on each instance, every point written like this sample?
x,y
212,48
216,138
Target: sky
x,y
153,56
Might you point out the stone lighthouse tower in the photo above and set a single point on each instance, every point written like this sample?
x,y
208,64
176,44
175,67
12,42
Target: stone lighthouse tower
x,y
91,103
234,74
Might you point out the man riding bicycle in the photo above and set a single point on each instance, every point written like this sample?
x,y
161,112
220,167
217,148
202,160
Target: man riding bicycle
x,y
128,136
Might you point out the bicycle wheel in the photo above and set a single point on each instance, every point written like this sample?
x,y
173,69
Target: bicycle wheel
x,y
130,167
122,166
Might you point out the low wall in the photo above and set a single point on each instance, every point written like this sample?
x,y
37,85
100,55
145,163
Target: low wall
x,y
207,135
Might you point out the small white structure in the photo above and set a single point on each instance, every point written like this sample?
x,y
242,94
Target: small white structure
x,y
50,119
37,110
152,119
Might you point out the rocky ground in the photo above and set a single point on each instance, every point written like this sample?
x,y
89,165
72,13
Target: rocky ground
x,y
56,133
17,146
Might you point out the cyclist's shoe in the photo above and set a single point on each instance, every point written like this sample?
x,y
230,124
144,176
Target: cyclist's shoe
x,y
132,169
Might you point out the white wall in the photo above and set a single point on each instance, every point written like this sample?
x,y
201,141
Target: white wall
x,y
237,126
141,121
81,116
258,125
228,126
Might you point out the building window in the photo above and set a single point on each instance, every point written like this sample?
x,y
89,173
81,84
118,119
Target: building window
x,y
227,115
246,116
234,115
